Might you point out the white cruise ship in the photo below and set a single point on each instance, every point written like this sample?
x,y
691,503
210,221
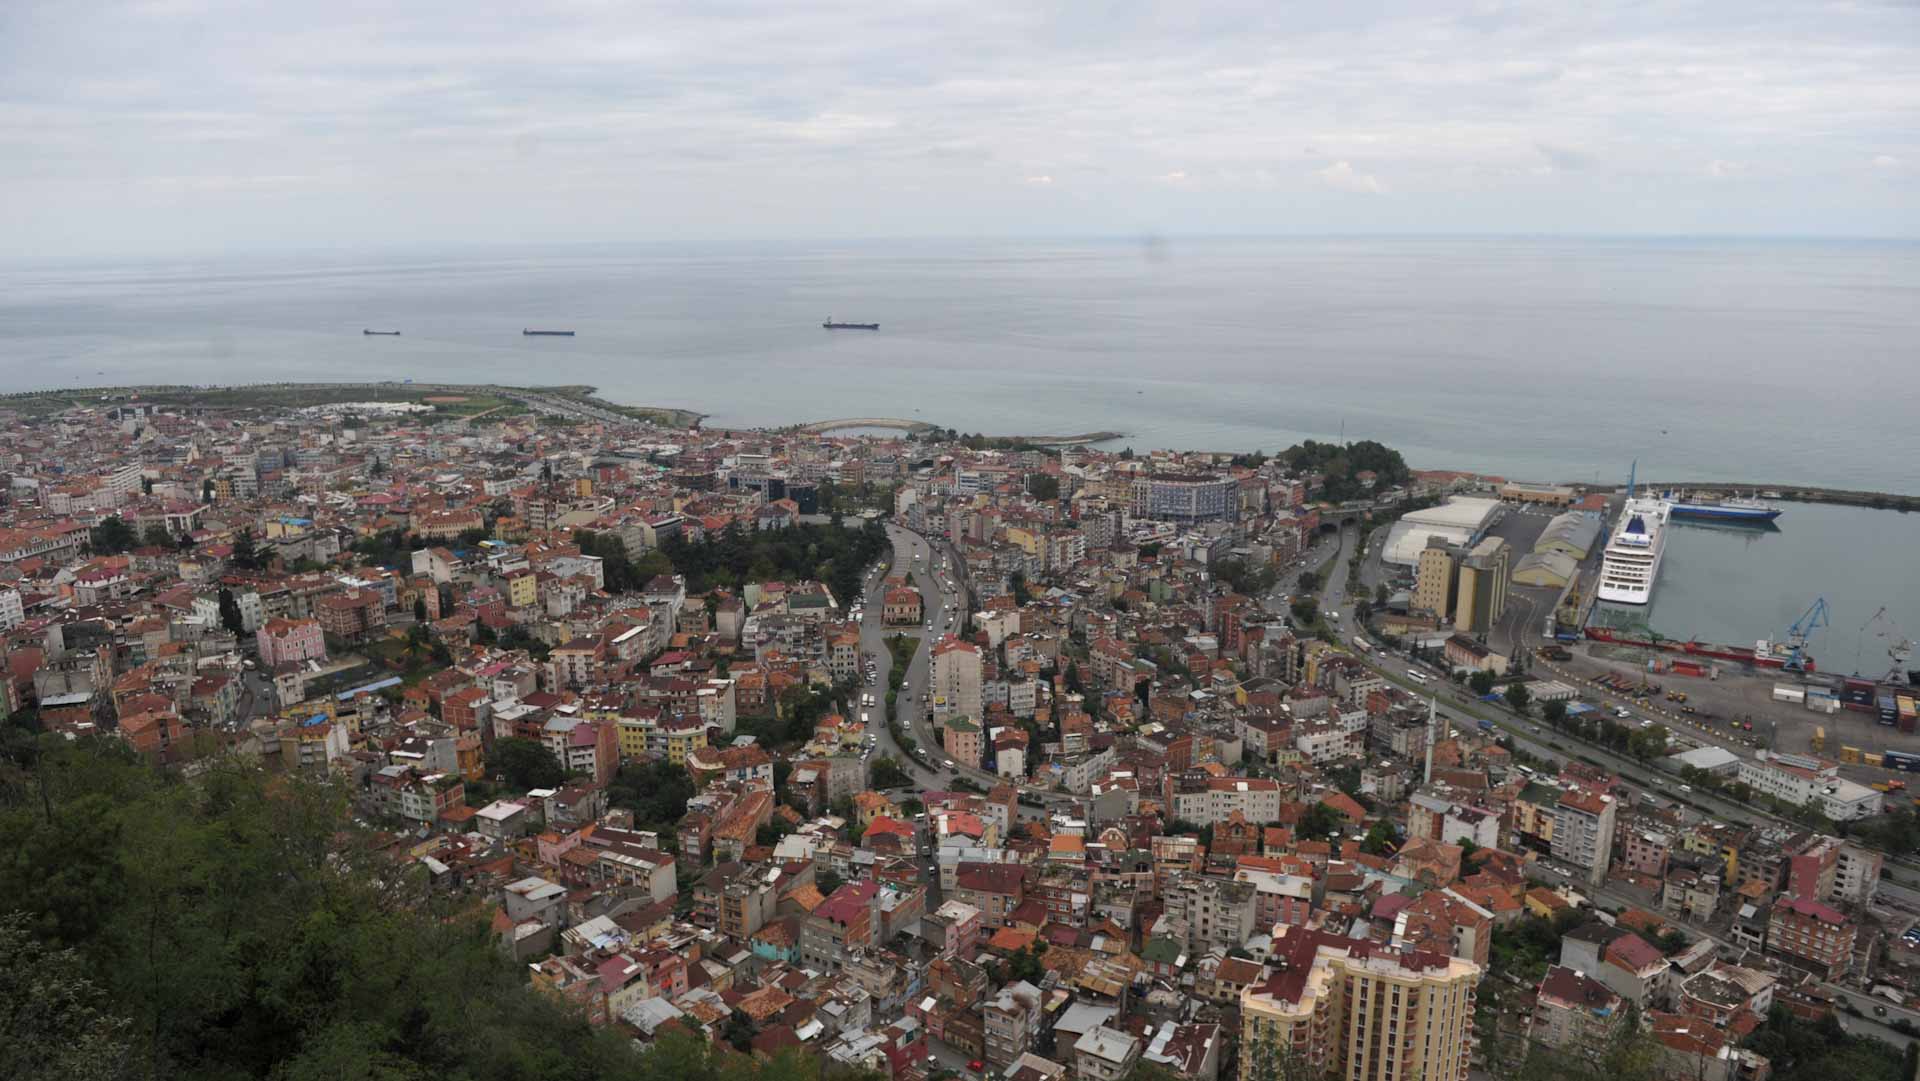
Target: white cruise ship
x,y
1632,559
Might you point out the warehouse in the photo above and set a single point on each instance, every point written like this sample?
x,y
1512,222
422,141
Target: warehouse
x,y
1572,534
1460,522
1552,495
1551,569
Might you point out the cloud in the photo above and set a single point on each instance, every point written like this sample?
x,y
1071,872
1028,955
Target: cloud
x,y
414,123
1342,177
1564,159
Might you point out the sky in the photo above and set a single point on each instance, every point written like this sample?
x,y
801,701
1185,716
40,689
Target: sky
x,y
201,125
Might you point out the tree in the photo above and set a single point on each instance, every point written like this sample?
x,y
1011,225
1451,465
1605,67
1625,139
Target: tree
x,y
1320,822
1481,681
1305,610
1074,684
655,791
827,882
1310,581
1555,712
1518,697
1043,486
230,616
112,536
56,1024
419,609
1380,839
525,763
156,536
245,555
1017,582
1380,594
887,773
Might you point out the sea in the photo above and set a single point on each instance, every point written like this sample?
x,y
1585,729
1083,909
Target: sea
x,y
1736,584
1775,361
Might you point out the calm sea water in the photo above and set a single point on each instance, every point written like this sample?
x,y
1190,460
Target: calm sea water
x,y
1778,362
1734,584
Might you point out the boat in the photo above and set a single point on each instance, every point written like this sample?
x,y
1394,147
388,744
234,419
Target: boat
x,y
1632,559
1765,653
381,333
831,325
548,333
1728,508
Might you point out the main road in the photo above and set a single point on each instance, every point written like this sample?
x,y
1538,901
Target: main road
x,y
930,565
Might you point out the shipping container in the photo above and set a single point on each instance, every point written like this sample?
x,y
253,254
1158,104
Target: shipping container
x,y
1689,668
1902,761
1787,692
1850,756
1889,710
1819,739
1857,692
1828,704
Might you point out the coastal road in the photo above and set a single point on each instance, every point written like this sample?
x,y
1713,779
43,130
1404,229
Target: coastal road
x,y
1542,742
1878,1014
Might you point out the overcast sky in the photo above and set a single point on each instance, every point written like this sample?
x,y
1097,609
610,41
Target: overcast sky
x,y
200,124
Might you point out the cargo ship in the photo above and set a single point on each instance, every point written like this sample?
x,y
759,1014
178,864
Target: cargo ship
x,y
548,333
831,325
1765,653
381,333
1732,508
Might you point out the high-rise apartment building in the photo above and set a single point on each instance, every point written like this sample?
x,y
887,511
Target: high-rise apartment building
x,y
1359,1010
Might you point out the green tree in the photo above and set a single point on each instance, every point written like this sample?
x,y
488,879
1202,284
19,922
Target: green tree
x,y
887,773
1481,681
1555,712
1380,839
156,536
1017,584
230,616
1310,581
419,609
112,536
655,791
1043,486
56,1022
1306,611
246,555
1518,697
525,764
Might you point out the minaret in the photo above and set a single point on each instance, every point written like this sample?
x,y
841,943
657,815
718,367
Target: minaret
x,y
1432,704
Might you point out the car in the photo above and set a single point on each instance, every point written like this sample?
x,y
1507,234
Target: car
x,y
1879,1011
948,762
976,1065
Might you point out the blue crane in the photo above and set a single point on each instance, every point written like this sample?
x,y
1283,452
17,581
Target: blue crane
x,y
1814,618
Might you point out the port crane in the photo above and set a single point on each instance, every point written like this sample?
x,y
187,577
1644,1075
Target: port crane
x,y
1814,618
1899,646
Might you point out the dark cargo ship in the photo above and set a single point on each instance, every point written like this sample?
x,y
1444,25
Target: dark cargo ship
x,y
831,325
548,333
381,333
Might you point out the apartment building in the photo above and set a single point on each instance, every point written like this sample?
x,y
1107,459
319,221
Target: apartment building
x,y
1360,1011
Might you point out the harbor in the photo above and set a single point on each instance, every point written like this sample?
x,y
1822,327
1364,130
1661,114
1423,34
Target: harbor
x,y
1740,584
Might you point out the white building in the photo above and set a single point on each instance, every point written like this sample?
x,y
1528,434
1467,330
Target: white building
x,y
1801,779
1583,824
12,612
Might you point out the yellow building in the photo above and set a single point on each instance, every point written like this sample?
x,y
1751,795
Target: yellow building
x,y
1434,578
1359,1011
1481,597
523,589
683,741
633,733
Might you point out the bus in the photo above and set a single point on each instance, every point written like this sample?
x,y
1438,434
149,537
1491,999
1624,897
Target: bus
x,y
1416,675
1360,644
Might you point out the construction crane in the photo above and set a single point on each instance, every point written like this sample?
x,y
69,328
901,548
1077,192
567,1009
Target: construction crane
x,y
1899,646
1814,618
